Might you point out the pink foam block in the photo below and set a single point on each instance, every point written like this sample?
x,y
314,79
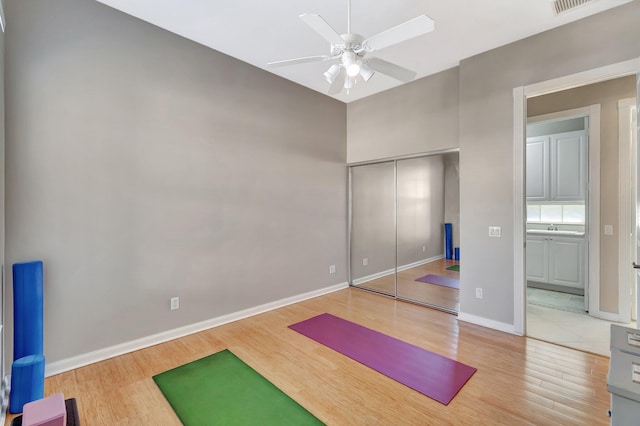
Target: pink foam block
x,y
49,411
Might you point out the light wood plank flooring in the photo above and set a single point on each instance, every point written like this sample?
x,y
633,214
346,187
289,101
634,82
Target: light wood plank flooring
x,y
519,381
409,288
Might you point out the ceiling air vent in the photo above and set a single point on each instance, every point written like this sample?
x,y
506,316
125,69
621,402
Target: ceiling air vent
x,y
561,6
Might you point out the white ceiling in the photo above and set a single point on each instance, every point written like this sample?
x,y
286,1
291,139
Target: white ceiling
x,y
259,31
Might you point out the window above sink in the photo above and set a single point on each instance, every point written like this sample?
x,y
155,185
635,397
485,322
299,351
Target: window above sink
x,y
556,213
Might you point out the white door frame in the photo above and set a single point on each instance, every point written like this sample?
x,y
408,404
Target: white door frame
x,y
592,274
520,95
626,196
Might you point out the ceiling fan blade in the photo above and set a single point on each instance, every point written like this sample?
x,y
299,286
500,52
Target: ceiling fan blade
x,y
392,70
406,31
299,60
320,26
338,83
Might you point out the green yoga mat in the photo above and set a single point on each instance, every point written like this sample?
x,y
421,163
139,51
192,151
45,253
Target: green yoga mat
x,y
220,389
454,268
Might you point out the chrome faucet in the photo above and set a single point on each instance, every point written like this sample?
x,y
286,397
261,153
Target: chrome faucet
x,y
552,228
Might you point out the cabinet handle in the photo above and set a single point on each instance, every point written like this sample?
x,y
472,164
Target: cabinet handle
x,y
636,266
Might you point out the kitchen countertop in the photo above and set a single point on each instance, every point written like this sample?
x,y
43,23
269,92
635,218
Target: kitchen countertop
x,y
559,233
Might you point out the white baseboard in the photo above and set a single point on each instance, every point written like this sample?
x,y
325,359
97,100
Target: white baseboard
x,y
61,366
489,323
608,316
420,262
384,273
372,277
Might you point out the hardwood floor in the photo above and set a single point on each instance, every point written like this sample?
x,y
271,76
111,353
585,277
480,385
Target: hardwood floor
x,y
410,289
519,381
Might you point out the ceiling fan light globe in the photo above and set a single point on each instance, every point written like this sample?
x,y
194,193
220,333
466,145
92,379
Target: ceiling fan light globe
x,y
351,64
366,73
331,74
353,70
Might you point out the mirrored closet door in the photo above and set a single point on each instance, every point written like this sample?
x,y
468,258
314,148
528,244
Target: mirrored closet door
x,y
373,227
422,273
399,209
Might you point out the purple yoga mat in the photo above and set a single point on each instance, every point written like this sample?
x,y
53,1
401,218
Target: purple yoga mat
x,y
440,280
433,375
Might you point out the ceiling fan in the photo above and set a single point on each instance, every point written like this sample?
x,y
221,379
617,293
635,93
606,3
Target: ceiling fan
x,y
352,51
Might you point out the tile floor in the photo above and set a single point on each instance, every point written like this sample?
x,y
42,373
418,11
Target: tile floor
x,y
571,329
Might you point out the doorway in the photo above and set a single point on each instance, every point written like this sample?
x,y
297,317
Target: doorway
x,y
605,304
397,212
557,206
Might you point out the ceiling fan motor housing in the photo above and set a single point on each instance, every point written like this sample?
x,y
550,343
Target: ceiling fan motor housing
x,y
352,43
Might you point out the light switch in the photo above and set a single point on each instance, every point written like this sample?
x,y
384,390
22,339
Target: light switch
x,y
608,230
495,231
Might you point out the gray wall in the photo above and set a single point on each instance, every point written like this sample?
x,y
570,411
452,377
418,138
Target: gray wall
x,y
142,166
418,117
607,95
486,139
3,300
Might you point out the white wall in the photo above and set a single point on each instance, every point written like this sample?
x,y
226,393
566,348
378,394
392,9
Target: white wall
x,y
142,166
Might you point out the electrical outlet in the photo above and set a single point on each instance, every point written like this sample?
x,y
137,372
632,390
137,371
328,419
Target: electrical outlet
x,y
608,230
175,303
478,293
365,261
332,269
495,231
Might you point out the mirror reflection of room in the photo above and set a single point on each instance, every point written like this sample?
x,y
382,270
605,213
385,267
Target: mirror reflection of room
x,y
399,211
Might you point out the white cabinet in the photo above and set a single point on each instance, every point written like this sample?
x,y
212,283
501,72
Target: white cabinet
x,y
537,259
537,179
557,167
568,166
556,260
566,262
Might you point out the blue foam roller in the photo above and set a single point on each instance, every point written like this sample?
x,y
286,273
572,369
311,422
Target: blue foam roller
x,y
456,253
448,241
27,381
28,309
